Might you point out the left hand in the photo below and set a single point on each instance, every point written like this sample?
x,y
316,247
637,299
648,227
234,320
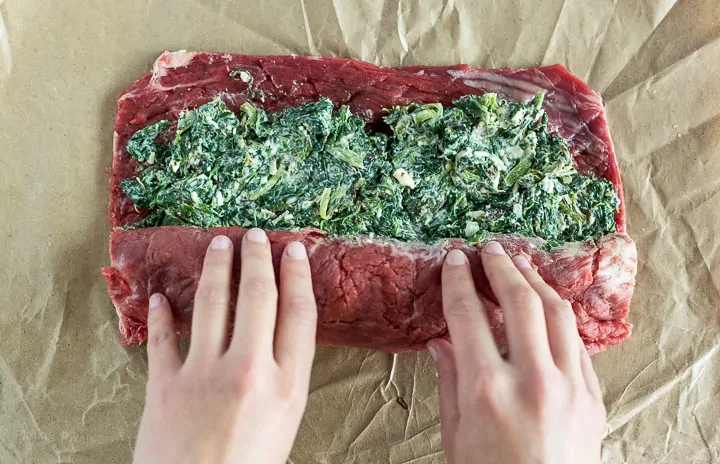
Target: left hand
x,y
239,401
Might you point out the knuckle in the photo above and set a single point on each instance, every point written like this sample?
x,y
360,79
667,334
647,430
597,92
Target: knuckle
x,y
487,393
566,306
463,308
259,288
304,309
163,392
297,270
159,338
200,384
523,297
243,385
547,392
210,294
482,391
302,304
490,385
562,308
247,379
292,393
156,318
577,383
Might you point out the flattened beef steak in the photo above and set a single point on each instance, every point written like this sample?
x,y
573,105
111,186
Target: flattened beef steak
x,y
371,292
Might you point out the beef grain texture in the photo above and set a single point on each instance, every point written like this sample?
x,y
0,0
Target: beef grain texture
x,y
372,293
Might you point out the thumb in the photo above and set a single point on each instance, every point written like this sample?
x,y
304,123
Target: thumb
x,y
162,347
442,352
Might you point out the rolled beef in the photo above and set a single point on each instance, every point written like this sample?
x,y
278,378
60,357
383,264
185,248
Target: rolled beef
x,y
373,293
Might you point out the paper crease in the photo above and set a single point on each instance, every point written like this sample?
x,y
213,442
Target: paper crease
x,y
5,51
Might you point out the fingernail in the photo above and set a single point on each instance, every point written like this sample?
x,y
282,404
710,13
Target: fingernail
x,y
256,235
521,262
455,258
156,300
494,248
433,351
296,250
220,242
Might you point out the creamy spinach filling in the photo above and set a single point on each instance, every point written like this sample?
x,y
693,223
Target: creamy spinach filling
x,y
483,165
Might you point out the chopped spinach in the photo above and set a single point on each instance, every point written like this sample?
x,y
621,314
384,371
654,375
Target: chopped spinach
x,y
484,165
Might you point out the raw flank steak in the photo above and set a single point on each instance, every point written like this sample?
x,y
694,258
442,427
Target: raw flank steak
x,y
372,291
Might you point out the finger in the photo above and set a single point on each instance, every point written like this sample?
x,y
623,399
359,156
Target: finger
x,y
163,352
257,299
297,315
474,346
562,328
521,306
442,352
212,301
589,374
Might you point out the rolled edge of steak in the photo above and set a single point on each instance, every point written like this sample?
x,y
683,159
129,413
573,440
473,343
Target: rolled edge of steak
x,y
183,79
374,293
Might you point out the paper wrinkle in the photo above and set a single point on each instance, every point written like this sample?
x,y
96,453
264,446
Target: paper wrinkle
x,y
43,373
575,37
600,38
7,455
402,33
409,393
622,50
5,50
667,439
703,436
367,428
700,103
73,449
391,375
365,29
696,197
706,259
118,390
311,41
249,25
618,418
10,383
698,367
685,29
421,433
411,34
35,308
422,458
103,366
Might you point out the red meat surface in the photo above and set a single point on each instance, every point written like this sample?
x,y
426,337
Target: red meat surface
x,y
372,293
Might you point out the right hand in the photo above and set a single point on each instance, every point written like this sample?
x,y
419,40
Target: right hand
x,y
543,403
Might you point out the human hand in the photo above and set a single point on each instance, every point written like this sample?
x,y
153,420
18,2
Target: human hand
x,y
541,405
239,401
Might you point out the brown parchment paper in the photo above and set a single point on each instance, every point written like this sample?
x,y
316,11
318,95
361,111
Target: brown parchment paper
x,y
70,393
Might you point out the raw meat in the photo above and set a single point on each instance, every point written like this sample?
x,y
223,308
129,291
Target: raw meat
x,y
372,293
181,80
